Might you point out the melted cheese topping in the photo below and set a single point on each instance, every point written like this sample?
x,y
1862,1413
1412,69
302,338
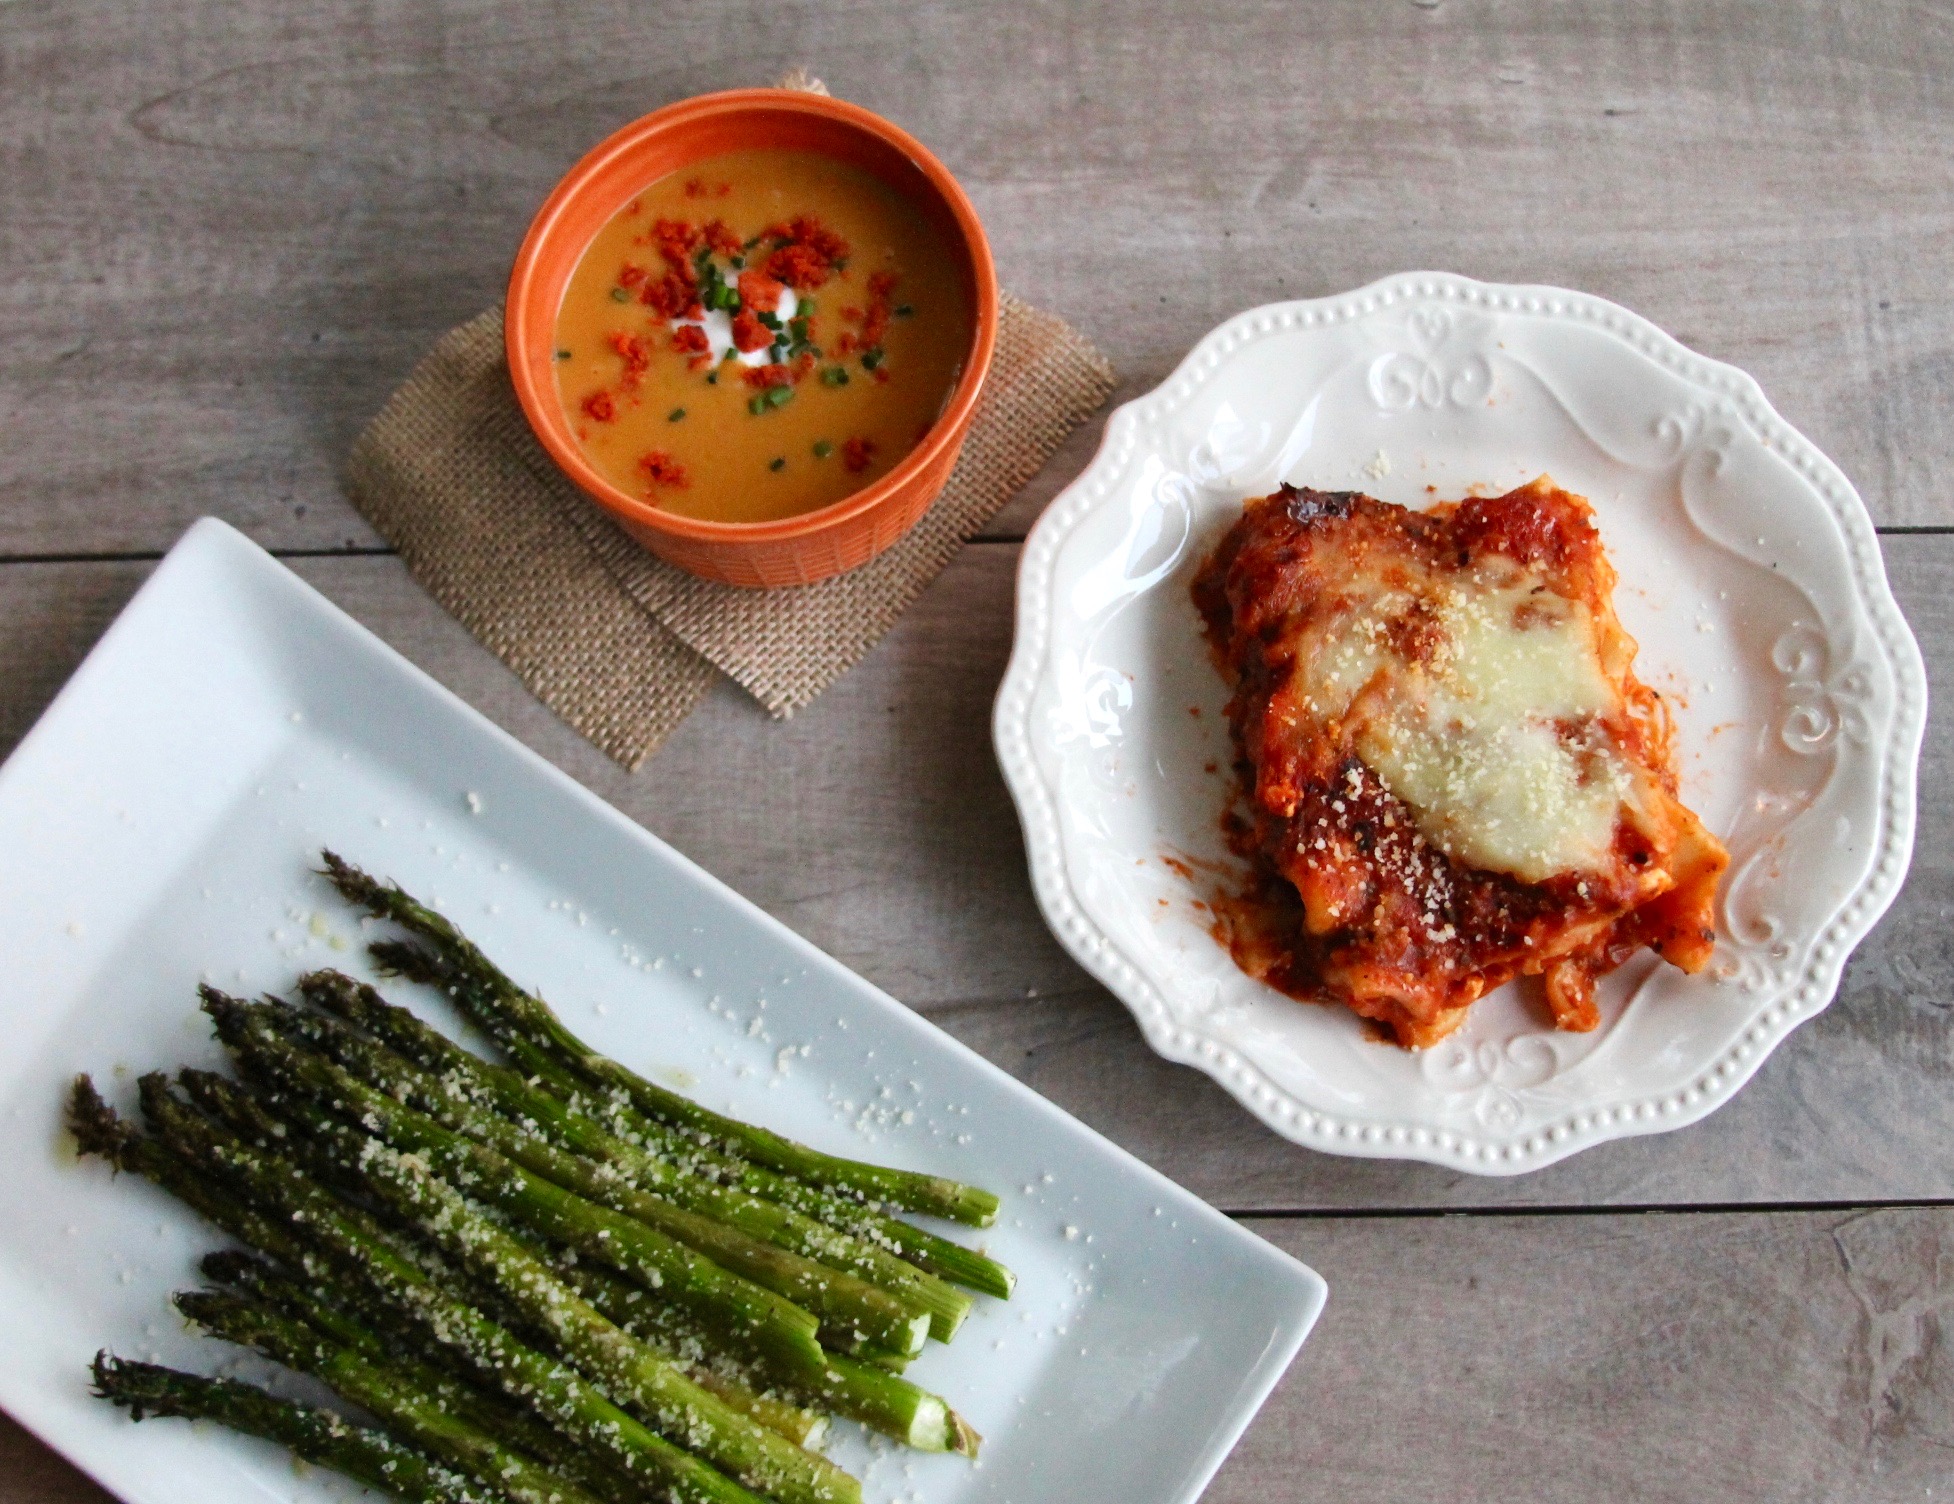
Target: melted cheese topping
x,y
1479,703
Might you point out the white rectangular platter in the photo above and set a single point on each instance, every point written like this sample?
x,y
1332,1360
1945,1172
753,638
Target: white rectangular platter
x,y
159,826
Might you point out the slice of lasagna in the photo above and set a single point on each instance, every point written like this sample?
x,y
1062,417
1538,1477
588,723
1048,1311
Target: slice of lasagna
x,y
1453,776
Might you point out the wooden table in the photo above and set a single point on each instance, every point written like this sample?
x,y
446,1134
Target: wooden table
x,y
226,232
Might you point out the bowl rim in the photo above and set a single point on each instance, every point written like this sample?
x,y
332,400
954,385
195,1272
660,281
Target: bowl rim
x,y
541,408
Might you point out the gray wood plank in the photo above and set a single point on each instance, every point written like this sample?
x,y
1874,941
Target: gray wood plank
x,y
225,237
1792,1357
1795,1357
875,823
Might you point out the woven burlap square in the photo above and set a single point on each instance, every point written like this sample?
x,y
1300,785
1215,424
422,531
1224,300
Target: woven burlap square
x,y
617,643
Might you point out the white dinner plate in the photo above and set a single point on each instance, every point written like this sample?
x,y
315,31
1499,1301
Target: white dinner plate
x,y
159,825
1750,576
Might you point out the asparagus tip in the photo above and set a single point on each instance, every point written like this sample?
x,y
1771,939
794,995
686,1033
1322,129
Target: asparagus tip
x,y
195,1305
403,958
153,1091
327,987
95,1125
115,1381
220,1005
230,1266
143,1389
354,885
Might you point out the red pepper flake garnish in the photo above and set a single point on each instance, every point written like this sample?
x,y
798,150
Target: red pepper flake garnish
x,y
676,240
720,237
881,375
674,295
818,237
695,188
630,276
767,376
633,351
598,405
797,266
760,292
803,366
690,339
749,334
662,470
876,325
844,342
699,362
806,254
723,190
858,454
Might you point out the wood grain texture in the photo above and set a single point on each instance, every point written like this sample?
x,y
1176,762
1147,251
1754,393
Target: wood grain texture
x,y
876,824
1791,1357
226,235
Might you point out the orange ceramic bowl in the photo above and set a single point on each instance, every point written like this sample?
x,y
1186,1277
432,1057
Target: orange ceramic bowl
x,y
792,550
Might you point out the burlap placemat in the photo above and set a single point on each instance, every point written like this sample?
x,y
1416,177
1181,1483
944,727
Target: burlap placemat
x,y
616,642
619,644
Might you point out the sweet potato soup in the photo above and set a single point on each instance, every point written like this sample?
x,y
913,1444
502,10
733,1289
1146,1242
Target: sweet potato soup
x,y
760,335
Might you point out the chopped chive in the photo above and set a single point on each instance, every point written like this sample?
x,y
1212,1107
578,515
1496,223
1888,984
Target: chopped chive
x,y
871,358
619,295
841,265
751,243
904,311
757,405
779,396
805,307
562,354
834,376
798,328
674,415
729,299
822,449
712,378
771,320
779,464
739,263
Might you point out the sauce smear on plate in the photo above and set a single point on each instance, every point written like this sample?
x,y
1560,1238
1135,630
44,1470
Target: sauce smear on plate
x,y
760,335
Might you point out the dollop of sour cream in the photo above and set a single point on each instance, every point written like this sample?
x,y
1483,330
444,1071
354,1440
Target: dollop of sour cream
x,y
718,324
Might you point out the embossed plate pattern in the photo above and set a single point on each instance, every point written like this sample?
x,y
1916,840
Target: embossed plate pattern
x,y
1750,577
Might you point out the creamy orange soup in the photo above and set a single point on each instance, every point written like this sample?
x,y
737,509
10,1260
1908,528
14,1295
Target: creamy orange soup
x,y
759,335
